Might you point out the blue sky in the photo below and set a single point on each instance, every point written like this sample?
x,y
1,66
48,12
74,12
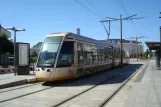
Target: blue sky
x,y
40,17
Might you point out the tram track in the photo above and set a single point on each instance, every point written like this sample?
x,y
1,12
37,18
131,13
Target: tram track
x,y
65,84
20,87
121,86
106,100
46,83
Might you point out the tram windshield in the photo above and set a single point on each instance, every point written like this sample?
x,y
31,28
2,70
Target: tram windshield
x,y
49,51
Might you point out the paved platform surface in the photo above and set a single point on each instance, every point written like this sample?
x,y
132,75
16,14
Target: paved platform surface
x,y
147,92
8,79
144,89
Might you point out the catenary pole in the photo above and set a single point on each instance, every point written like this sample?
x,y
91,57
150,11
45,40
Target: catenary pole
x,y
120,19
121,40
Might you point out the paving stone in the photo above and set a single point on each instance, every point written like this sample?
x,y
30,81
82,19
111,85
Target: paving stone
x,y
147,94
57,94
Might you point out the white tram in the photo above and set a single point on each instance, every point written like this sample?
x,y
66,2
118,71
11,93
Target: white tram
x,y
68,55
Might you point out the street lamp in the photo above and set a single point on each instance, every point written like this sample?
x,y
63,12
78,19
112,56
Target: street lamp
x,y
15,30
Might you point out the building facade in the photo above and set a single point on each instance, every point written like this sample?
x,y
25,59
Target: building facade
x,y
130,47
4,31
36,48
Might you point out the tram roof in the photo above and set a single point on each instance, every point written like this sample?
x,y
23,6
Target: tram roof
x,y
83,38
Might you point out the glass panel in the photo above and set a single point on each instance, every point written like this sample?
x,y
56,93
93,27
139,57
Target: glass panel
x,y
98,54
88,54
66,56
49,51
94,49
80,53
106,55
85,54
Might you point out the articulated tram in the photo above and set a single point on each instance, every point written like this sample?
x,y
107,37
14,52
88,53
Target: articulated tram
x,y
68,55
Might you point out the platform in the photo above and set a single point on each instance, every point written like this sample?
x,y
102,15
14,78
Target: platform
x,y
9,80
146,92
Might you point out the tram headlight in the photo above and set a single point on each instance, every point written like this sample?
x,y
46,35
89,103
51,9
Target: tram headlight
x,y
48,70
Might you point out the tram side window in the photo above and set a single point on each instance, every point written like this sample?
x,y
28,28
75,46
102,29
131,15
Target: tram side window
x,y
99,54
118,53
94,49
110,53
66,56
88,53
80,53
106,54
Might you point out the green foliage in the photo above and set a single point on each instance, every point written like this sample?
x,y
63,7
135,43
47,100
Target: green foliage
x,y
6,46
148,52
145,55
33,59
34,54
4,35
140,57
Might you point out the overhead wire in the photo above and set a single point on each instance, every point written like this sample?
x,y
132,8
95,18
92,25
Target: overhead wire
x,y
94,8
107,32
123,7
92,11
87,8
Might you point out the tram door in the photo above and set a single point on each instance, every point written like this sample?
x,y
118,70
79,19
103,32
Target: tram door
x,y
66,64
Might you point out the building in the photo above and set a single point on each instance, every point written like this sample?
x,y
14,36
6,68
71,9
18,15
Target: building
x,y
4,31
4,57
36,48
129,46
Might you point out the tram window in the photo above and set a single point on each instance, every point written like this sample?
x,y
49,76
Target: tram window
x,y
106,54
110,53
94,49
66,56
88,53
80,53
98,54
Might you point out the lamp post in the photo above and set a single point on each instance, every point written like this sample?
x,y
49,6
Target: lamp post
x,y
15,30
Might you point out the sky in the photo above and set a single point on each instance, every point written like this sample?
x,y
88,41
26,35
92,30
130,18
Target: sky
x,y
41,17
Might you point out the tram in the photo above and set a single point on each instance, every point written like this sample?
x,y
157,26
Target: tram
x,y
67,55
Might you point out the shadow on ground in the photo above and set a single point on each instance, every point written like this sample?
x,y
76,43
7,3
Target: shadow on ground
x,y
94,79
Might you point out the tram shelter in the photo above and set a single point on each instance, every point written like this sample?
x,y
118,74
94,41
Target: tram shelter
x,y
157,47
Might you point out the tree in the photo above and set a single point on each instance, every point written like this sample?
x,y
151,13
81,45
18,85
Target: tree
x,y
34,54
6,46
150,53
33,57
4,35
146,53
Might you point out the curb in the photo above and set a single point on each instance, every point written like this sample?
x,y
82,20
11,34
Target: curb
x,y
17,83
122,85
6,70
